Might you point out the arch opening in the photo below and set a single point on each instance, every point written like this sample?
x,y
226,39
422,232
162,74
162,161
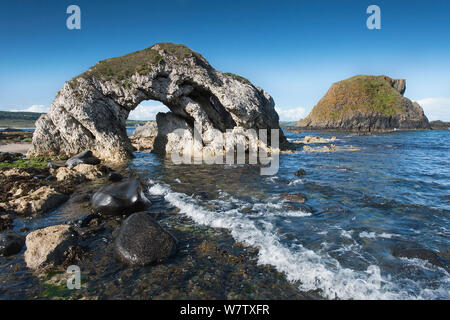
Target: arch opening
x,y
141,124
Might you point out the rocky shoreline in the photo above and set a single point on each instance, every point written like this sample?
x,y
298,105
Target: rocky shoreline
x,y
99,229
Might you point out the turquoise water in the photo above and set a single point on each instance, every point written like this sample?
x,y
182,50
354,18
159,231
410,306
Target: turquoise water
x,y
362,207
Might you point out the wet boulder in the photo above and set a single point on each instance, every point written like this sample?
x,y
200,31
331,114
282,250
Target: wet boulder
x,y
120,198
85,157
11,243
49,247
6,221
141,241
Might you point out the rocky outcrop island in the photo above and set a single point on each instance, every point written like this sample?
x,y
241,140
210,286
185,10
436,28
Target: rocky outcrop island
x,y
90,111
366,103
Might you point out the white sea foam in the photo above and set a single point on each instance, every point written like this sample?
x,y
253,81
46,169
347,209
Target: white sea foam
x,y
313,270
295,182
346,234
373,235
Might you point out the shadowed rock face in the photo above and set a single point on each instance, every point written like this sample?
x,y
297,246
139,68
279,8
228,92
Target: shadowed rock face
x,y
90,111
366,103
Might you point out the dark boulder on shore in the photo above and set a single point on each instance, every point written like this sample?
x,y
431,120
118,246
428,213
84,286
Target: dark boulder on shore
x,y
142,241
115,177
120,198
85,157
10,156
11,244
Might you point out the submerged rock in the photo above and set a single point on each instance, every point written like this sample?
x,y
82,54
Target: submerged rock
x,y
49,247
120,198
423,254
11,243
90,111
296,197
6,222
366,103
312,139
85,157
143,241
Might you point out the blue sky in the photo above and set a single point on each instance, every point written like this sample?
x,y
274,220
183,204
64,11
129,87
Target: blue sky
x,y
293,49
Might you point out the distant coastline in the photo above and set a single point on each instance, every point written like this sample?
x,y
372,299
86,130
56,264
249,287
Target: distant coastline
x,y
26,120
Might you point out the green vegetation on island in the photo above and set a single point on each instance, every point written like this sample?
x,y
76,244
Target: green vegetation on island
x,y
359,93
366,103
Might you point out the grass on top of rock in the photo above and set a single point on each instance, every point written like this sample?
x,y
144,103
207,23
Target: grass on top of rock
x,y
361,94
141,62
239,78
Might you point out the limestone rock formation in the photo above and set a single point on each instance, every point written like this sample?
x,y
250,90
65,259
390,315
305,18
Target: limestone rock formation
x,y
366,103
39,201
49,246
79,173
90,111
144,136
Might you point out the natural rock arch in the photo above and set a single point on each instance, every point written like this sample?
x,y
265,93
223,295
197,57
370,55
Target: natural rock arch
x,y
91,110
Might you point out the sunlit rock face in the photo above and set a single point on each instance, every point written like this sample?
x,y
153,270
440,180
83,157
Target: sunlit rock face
x,y
90,111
